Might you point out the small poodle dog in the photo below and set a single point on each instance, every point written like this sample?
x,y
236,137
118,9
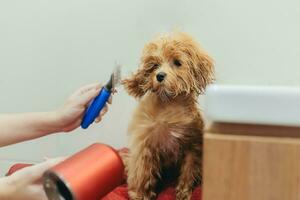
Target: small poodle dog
x,y
166,128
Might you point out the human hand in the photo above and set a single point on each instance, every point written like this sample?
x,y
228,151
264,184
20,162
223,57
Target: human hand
x,y
26,183
71,114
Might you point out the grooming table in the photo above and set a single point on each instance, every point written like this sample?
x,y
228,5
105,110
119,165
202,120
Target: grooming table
x,y
252,146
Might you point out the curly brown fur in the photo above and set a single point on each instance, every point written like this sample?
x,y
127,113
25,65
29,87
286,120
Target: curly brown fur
x,y
166,128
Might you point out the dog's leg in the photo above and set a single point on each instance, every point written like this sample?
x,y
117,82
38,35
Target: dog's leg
x,y
189,174
125,158
143,172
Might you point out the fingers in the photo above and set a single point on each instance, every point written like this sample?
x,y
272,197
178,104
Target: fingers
x,y
98,119
84,99
114,91
110,100
89,87
37,192
80,101
102,113
86,88
88,92
46,158
104,110
35,172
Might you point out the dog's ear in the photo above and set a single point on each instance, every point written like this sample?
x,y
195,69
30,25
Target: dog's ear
x,y
204,71
202,66
134,84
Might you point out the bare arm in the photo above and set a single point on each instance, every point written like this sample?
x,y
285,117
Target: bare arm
x,y
20,127
16,128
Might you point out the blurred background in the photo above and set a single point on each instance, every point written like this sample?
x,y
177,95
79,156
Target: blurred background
x,y
50,48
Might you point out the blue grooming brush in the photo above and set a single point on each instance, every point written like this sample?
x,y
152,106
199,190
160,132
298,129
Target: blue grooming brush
x,y
99,102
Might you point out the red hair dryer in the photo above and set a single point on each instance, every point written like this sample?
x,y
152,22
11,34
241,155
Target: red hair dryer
x,y
88,175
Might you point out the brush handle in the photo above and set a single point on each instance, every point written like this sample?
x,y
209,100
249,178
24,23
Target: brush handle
x,y
95,108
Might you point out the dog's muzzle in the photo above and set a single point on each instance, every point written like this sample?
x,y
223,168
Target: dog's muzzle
x,y
161,76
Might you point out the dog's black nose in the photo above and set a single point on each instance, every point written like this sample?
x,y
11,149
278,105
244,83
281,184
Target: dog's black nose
x,y
161,76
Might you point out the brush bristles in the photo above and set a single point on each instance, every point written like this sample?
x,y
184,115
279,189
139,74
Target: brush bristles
x,y
116,75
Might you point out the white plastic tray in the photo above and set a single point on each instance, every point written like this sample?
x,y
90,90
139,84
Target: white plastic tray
x,y
253,104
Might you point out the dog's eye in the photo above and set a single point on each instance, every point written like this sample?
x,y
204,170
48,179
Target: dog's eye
x,y
151,67
154,66
177,63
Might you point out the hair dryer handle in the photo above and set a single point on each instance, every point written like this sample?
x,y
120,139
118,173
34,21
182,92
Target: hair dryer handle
x,y
95,108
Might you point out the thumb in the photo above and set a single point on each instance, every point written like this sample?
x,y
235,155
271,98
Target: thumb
x,y
35,172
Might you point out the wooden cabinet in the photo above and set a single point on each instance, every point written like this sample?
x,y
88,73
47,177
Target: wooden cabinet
x,y
251,165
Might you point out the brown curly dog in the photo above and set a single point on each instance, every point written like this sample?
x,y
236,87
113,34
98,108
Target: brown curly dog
x,y
166,128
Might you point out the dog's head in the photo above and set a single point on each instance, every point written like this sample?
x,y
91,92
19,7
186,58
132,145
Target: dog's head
x,y
171,65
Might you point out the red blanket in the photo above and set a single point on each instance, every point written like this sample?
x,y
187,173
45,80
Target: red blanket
x,y
120,193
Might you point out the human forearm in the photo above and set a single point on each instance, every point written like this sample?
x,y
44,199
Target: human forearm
x,y
15,128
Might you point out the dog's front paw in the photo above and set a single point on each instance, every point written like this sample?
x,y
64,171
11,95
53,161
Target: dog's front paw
x,y
183,193
134,196
139,196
